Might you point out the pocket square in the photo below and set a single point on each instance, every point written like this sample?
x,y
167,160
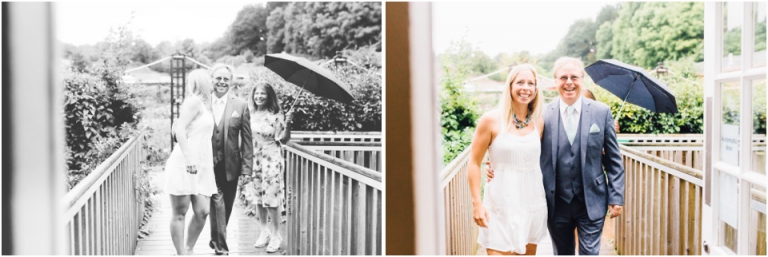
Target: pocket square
x,y
594,128
235,115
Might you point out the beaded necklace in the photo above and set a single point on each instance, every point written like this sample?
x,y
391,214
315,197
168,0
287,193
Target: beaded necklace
x,y
521,124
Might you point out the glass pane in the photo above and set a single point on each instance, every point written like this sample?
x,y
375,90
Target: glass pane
x,y
758,15
729,131
757,221
732,19
758,125
729,211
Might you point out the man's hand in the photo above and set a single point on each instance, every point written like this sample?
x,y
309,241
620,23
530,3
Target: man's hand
x,y
488,171
614,210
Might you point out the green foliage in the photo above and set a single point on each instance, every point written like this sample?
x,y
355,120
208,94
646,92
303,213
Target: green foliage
x,y
604,37
758,107
760,30
688,95
481,63
314,113
457,110
646,33
583,40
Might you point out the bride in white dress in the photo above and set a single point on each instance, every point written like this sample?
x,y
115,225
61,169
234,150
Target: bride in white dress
x,y
513,214
189,178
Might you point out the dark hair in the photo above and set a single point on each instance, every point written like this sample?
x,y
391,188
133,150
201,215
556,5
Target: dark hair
x,y
272,104
588,94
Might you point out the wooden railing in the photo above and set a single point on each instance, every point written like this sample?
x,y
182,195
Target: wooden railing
x,y
460,229
329,136
661,138
334,206
690,155
366,154
662,203
104,210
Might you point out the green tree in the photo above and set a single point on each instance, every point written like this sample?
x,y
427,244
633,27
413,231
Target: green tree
x,y
646,33
481,63
458,110
604,37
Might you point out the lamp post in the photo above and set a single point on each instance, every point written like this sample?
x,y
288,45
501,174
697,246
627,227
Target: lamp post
x,y
339,59
660,69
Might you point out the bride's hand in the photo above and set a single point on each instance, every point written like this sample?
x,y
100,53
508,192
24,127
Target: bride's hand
x,y
488,171
191,169
481,216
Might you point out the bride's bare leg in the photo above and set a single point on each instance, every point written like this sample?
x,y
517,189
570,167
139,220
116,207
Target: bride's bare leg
x,y
494,252
530,249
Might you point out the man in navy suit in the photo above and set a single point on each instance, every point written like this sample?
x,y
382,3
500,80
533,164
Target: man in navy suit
x,y
580,182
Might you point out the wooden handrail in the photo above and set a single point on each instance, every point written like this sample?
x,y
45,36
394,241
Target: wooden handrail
x,y
347,168
100,173
688,171
338,143
451,169
104,210
334,206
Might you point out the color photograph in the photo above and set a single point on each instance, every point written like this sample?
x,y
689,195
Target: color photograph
x,y
589,128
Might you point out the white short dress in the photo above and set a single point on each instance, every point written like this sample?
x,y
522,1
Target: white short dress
x,y
177,180
514,199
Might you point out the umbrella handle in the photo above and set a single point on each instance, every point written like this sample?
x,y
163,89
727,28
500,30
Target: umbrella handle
x,y
627,96
299,94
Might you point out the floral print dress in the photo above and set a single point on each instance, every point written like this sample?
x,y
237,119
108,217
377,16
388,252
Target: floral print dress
x,y
266,187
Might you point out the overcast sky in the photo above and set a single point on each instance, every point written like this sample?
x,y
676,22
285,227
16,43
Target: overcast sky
x,y
497,27
154,21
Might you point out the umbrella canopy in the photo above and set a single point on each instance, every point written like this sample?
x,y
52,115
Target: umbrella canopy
x,y
633,84
309,76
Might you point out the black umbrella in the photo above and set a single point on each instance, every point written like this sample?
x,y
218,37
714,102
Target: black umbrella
x,y
309,76
632,84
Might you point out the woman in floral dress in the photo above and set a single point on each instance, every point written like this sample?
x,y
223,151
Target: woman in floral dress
x,y
263,193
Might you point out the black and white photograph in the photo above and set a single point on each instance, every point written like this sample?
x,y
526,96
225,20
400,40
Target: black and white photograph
x,y
192,128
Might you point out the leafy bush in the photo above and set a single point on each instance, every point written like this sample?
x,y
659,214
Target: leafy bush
x,y
314,113
100,114
457,110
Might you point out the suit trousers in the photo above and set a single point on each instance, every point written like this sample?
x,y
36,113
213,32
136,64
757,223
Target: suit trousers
x,y
221,208
572,215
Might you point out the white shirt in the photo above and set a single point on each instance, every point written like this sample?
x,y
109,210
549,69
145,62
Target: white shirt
x,y
218,105
576,105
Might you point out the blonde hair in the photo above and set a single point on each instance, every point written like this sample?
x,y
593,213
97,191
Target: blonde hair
x,y
565,60
506,106
199,84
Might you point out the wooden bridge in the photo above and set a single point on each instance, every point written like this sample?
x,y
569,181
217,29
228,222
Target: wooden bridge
x,y
663,200
333,189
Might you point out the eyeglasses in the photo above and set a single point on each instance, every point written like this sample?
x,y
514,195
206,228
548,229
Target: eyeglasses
x,y
221,79
574,79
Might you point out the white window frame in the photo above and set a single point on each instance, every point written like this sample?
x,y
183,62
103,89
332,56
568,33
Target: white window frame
x,y
744,174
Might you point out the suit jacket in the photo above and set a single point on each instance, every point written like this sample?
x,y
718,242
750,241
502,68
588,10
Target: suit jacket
x,y
597,193
238,148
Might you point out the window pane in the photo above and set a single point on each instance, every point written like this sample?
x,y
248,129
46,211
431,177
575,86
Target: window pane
x,y
758,16
729,131
758,125
729,197
732,19
757,221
